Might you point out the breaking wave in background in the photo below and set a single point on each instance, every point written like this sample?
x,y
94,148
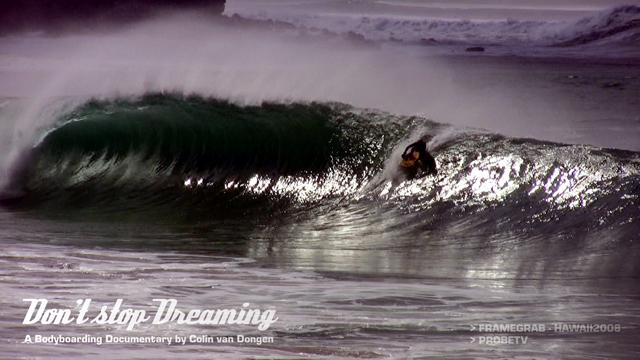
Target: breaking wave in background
x,y
619,25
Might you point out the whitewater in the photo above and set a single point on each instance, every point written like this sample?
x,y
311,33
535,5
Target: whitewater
x,y
615,26
252,158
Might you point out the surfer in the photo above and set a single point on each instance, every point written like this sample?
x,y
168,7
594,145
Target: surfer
x,y
416,157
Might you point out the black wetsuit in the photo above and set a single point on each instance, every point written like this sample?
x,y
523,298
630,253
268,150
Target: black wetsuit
x,y
425,161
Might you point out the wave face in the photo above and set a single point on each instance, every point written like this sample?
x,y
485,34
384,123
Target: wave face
x,y
203,155
620,25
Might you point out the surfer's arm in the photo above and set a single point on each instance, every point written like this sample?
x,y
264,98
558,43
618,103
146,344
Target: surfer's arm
x,y
409,147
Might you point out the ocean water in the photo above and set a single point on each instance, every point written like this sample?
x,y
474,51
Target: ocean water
x,y
232,161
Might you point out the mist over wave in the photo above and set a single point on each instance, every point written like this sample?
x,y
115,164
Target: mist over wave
x,y
190,53
193,54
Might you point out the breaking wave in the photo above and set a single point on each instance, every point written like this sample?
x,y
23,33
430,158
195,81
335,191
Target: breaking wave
x,y
187,152
616,25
